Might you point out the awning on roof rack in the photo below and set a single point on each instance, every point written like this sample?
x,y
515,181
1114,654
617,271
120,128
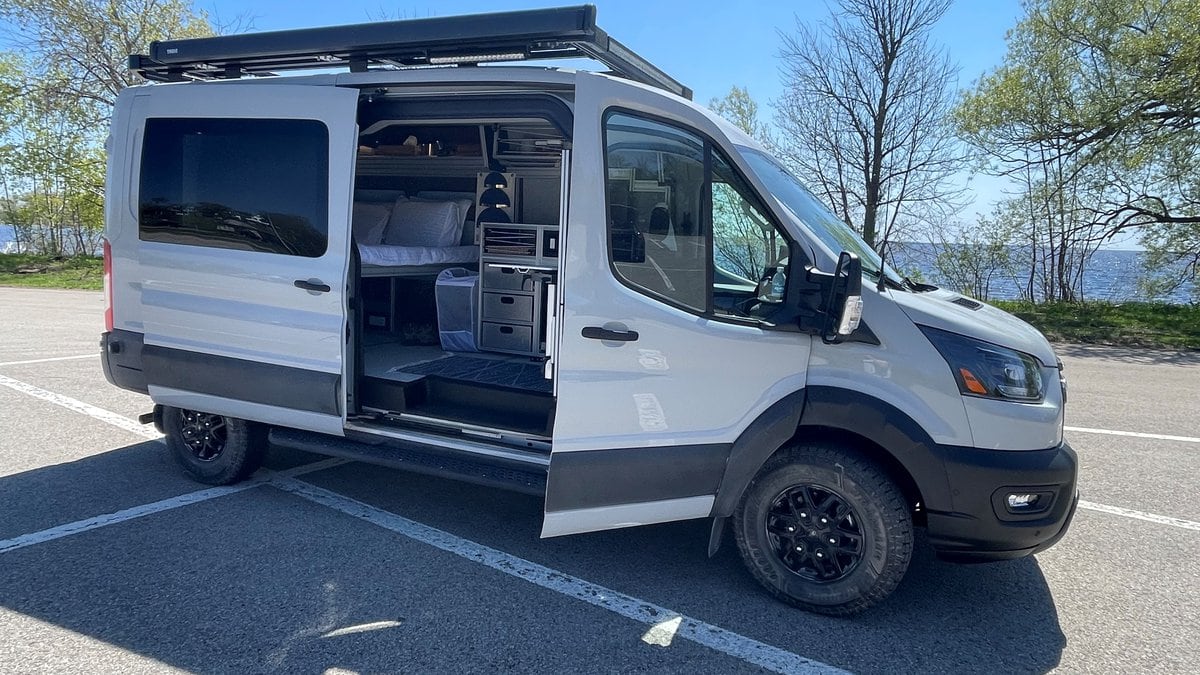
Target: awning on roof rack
x,y
563,32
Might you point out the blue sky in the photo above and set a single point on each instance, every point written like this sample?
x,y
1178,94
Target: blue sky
x,y
709,45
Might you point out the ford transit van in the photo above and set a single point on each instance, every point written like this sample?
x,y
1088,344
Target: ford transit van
x,y
578,285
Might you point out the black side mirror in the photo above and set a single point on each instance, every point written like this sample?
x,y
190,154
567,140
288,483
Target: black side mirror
x,y
844,305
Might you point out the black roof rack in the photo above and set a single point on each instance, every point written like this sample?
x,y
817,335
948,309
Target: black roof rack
x,y
563,32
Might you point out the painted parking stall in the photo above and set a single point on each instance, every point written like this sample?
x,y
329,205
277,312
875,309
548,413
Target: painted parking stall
x,y
670,608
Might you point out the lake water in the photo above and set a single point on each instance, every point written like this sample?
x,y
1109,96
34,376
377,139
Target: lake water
x,y
1111,275
7,245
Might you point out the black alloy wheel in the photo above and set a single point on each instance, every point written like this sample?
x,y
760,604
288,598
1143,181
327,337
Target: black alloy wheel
x,y
214,449
823,527
815,533
203,433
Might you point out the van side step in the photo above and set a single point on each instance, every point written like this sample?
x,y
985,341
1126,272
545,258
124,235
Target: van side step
x,y
407,456
519,410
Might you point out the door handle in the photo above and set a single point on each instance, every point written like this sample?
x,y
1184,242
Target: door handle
x,y
598,333
311,285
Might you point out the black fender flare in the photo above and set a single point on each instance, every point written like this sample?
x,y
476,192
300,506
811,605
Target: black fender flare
x,y
906,443
766,434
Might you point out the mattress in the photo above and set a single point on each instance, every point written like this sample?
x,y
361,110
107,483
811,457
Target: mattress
x,y
402,256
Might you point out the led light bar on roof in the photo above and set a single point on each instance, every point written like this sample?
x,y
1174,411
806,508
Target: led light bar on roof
x,y
563,32
476,58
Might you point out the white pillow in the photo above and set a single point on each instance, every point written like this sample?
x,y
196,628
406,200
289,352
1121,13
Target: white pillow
x,y
463,203
420,223
369,220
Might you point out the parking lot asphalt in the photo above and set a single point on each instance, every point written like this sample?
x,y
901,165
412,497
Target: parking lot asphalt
x,y
354,568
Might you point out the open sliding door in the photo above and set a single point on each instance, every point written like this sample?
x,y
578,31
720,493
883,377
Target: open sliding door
x,y
243,206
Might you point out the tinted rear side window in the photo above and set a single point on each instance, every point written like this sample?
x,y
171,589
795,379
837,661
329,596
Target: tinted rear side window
x,y
246,184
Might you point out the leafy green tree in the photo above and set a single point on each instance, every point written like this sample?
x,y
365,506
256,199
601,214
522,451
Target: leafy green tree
x,y
77,50
744,240
742,111
1099,99
65,65
51,174
979,257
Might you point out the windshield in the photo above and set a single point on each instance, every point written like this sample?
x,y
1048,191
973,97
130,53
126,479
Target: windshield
x,y
811,213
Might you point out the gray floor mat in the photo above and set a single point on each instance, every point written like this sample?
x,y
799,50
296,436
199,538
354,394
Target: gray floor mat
x,y
517,374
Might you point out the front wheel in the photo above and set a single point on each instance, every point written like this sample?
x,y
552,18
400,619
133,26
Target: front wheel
x,y
214,449
823,528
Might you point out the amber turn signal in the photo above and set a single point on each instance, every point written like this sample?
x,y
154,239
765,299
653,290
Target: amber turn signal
x,y
972,382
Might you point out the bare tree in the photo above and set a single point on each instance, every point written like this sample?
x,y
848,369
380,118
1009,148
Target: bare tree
x,y
865,115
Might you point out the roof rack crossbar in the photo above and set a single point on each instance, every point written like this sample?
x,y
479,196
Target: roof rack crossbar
x,y
562,32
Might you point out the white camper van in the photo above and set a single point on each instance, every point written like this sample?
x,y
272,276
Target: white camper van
x,y
573,284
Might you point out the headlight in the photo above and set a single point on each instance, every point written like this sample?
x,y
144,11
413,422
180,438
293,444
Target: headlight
x,y
988,370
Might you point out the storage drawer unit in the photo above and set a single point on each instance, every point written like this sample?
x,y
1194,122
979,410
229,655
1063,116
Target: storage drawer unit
x,y
508,307
517,261
506,337
506,279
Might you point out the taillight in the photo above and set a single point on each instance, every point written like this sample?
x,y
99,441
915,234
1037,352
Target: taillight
x,y
108,289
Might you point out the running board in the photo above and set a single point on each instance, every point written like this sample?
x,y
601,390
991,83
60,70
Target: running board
x,y
498,472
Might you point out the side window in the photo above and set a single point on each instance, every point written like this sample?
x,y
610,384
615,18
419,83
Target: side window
x,y
656,198
746,245
684,227
246,184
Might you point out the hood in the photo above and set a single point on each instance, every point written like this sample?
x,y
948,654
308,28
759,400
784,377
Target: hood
x,y
939,309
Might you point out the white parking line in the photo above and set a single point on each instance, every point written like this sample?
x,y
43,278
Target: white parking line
x,y
1141,515
106,416
708,635
123,515
1133,434
56,358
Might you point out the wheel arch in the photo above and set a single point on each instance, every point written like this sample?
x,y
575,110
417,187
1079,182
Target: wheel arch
x,y
870,450
874,427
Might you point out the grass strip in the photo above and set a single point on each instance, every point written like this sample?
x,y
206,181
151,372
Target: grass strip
x,y
39,271
1125,324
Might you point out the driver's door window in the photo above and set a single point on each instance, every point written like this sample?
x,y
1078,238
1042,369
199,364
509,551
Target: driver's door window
x,y
684,228
655,187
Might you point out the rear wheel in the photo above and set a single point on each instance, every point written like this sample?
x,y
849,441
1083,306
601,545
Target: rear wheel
x,y
823,528
214,449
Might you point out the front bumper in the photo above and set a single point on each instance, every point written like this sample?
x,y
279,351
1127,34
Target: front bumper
x,y
980,528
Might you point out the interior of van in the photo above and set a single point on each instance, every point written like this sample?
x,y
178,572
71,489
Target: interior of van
x,y
456,215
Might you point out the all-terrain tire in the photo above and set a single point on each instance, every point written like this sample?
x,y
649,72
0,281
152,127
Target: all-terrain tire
x,y
213,449
862,504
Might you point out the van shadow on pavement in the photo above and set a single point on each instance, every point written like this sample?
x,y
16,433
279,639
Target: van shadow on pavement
x,y
253,582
